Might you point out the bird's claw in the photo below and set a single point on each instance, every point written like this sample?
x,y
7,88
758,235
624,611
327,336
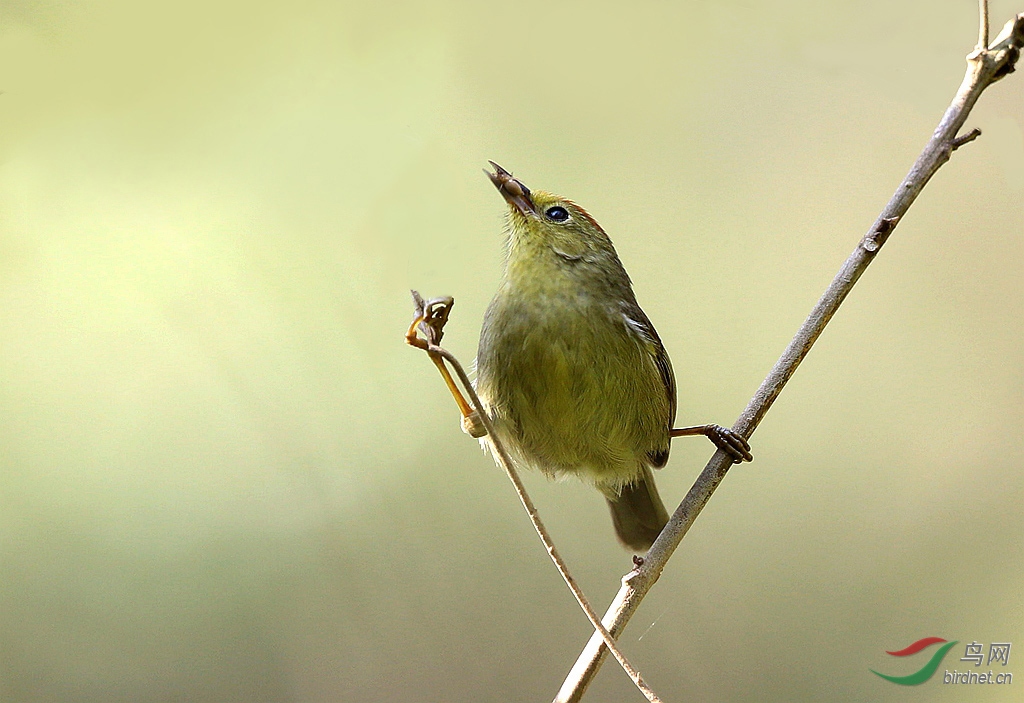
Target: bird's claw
x,y
730,442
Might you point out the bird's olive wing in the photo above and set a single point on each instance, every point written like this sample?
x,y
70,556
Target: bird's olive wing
x,y
638,322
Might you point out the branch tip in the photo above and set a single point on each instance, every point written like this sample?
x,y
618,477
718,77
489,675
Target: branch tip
x,y
965,139
1010,41
1012,33
429,318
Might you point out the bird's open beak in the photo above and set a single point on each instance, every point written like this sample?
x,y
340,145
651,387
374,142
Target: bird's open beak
x,y
514,192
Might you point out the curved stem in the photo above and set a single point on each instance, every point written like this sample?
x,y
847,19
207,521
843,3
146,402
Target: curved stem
x,y
538,525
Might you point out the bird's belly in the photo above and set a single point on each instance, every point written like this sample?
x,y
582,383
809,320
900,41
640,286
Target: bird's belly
x,y
574,395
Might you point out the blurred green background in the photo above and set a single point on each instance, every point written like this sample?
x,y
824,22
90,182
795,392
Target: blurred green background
x,y
224,477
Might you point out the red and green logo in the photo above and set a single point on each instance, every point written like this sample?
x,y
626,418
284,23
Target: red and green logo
x,y
926,671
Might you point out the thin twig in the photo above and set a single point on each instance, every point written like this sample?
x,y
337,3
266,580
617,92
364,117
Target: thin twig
x,y
982,25
436,354
965,139
983,68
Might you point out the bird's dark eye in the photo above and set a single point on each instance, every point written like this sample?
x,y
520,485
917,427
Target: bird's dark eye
x,y
557,213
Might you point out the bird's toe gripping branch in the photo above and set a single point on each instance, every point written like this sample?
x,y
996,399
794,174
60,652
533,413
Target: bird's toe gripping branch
x,y
425,332
729,441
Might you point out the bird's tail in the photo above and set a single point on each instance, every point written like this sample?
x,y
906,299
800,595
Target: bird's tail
x,y
638,513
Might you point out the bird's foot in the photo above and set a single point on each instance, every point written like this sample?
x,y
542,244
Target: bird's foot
x,y
729,441
732,443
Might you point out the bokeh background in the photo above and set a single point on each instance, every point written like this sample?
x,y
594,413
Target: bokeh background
x,y
224,477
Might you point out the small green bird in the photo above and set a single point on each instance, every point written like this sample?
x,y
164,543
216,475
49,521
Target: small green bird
x,y
570,369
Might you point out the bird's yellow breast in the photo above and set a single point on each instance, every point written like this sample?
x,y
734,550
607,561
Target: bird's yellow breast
x,y
570,389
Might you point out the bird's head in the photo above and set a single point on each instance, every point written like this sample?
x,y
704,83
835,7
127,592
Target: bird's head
x,y
544,221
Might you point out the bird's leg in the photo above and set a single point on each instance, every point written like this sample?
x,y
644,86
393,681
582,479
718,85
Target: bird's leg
x,y
431,315
730,442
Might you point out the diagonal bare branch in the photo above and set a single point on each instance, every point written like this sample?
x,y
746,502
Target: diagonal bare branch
x,y
984,67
